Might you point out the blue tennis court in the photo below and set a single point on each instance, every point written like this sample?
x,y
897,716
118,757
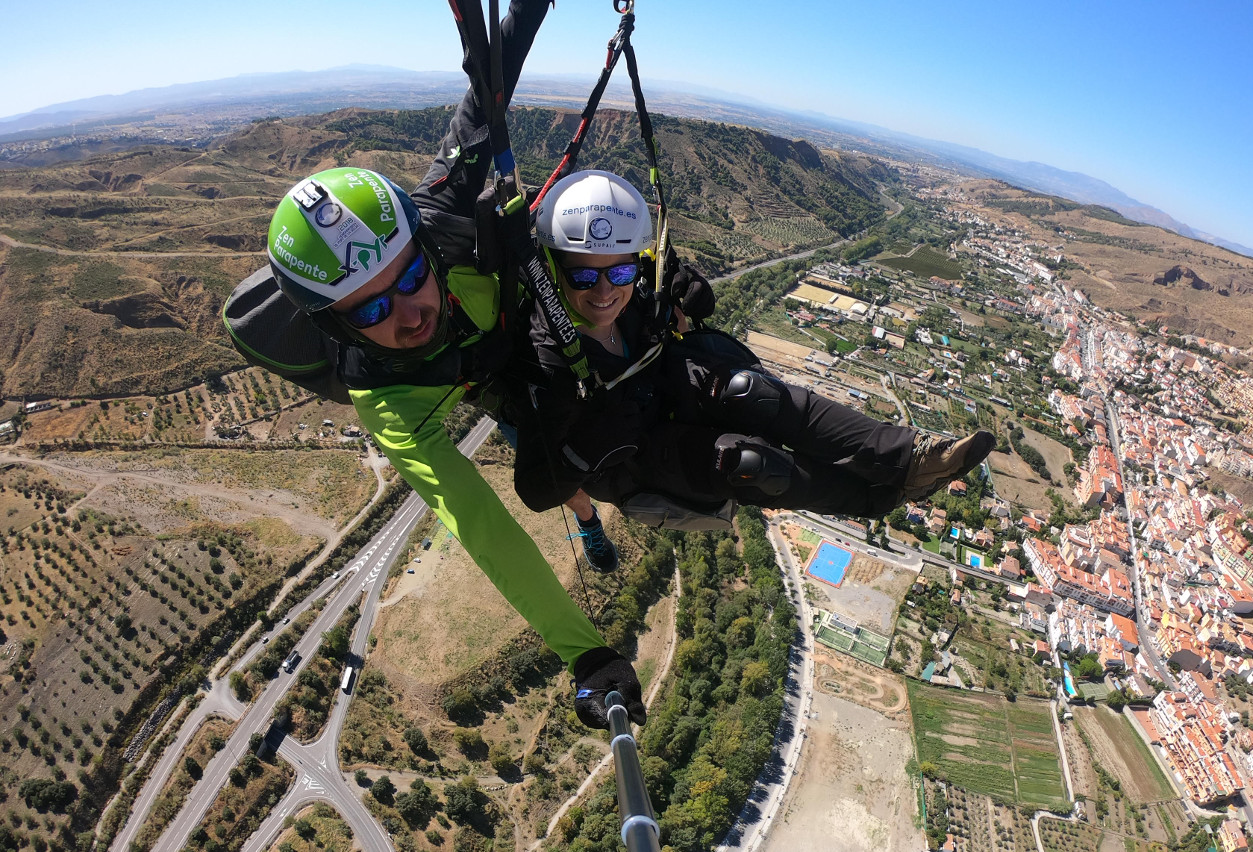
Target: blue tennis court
x,y
829,563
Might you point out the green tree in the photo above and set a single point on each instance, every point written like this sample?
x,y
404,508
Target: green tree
x,y
1090,668
415,739
412,809
468,740
462,800
383,790
239,685
500,759
335,643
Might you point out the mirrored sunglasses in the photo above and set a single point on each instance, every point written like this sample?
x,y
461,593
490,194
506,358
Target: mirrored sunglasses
x,y
619,275
379,308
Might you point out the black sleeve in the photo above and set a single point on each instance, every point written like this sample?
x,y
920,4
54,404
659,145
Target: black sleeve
x,y
464,161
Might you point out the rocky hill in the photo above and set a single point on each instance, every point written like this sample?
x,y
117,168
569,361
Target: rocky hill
x,y
113,269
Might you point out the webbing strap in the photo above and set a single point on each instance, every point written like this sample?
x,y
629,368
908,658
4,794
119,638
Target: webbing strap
x,y
620,39
654,173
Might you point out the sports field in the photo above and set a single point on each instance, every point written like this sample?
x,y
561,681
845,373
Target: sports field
x,y
865,645
829,563
986,744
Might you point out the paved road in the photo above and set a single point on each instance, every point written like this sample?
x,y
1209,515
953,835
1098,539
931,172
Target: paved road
x,y
317,767
754,821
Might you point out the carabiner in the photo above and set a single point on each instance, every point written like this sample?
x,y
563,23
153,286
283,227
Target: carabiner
x,y
624,7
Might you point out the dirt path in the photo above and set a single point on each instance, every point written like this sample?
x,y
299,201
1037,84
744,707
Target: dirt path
x,y
855,681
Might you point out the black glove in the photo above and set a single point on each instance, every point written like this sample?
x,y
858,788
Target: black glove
x,y
597,673
686,288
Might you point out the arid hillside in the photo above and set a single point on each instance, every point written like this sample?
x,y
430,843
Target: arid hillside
x,y
1142,270
113,270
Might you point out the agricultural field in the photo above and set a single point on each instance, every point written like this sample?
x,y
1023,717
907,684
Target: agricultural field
x,y
107,620
977,822
989,745
924,262
792,232
1125,789
1066,836
1018,483
249,405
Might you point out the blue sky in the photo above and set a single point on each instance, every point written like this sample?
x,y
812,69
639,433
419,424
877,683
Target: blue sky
x,y
1155,98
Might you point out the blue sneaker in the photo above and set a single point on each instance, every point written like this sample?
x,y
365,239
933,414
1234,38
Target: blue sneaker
x,y
598,550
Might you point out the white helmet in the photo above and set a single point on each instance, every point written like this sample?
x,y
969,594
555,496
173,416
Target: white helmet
x,y
594,212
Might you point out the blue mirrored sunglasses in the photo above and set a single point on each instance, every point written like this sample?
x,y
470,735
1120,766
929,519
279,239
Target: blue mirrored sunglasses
x,y
378,308
619,275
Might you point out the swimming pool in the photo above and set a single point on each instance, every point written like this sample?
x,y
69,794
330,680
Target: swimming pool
x,y
829,563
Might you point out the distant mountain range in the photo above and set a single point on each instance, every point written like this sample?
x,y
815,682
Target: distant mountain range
x,y
301,92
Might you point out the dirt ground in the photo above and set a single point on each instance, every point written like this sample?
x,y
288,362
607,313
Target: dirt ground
x,y
1120,758
1017,482
861,683
851,791
870,594
459,619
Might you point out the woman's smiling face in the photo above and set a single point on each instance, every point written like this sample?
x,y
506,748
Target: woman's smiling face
x,y
601,303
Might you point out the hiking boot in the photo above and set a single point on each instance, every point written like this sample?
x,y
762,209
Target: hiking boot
x,y
935,462
598,550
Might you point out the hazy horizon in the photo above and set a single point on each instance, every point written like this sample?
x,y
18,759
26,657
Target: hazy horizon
x,y
1148,97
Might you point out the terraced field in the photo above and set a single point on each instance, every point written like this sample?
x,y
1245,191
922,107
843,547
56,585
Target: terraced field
x,y
924,263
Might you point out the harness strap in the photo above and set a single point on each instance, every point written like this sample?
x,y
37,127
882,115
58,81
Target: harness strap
x,y
621,39
650,151
486,76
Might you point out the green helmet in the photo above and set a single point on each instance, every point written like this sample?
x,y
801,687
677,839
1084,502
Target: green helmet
x,y
334,231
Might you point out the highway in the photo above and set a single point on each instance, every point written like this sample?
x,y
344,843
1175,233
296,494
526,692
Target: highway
x,y
318,777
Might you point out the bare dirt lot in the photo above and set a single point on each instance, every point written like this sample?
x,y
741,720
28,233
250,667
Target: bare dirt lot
x,y
459,619
861,683
870,594
1018,483
851,791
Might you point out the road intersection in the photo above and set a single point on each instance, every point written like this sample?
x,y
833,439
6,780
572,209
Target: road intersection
x,y
316,764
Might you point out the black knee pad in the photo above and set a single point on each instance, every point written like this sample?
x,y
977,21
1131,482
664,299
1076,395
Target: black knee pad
x,y
752,463
752,400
